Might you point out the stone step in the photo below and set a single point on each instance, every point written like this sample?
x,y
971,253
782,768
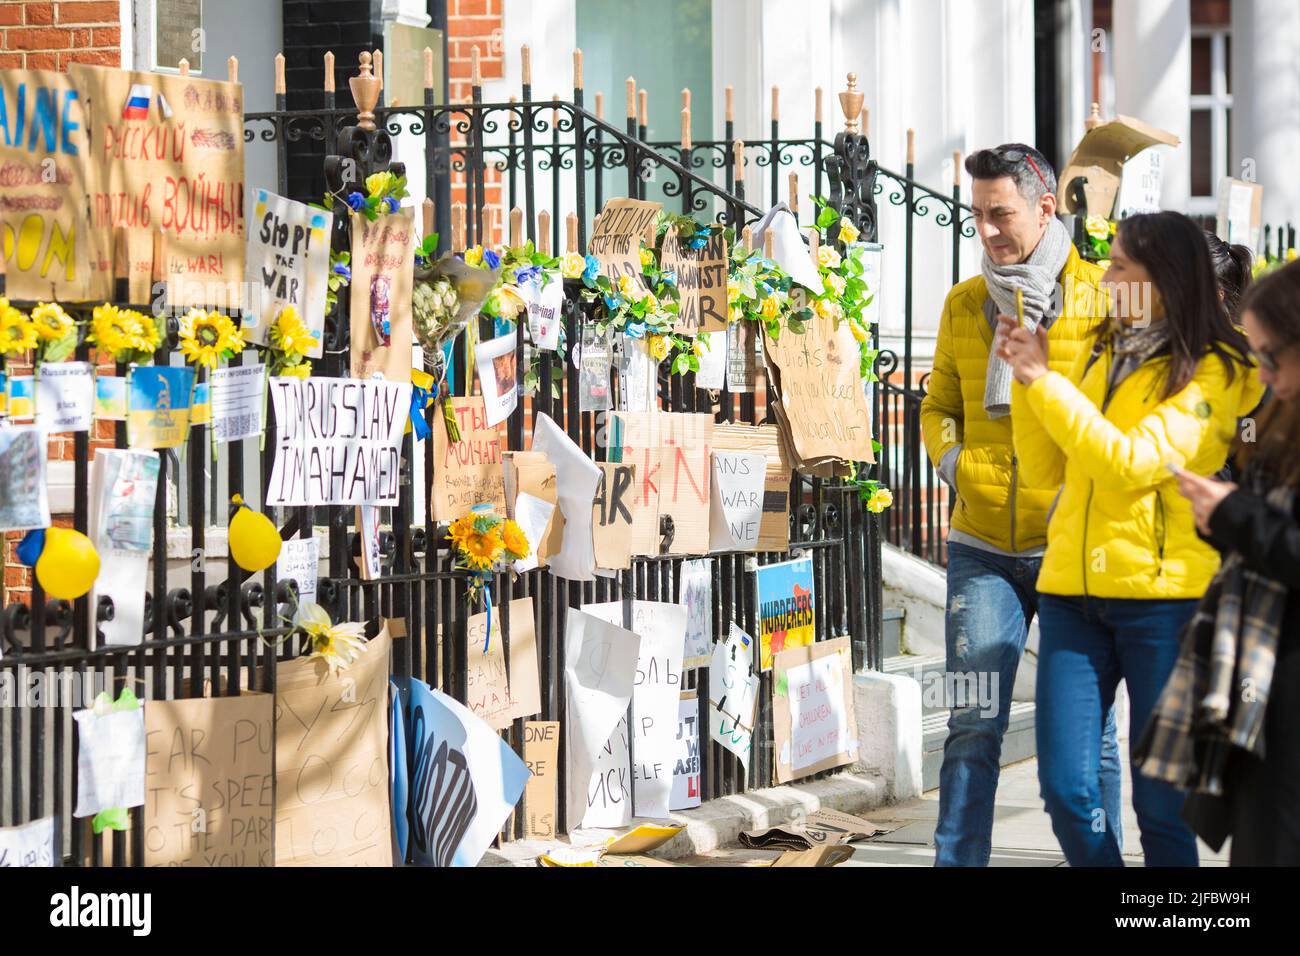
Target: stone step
x,y
1017,744
892,631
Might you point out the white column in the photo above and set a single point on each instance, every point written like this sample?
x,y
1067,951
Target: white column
x,y
407,147
1152,55
1266,101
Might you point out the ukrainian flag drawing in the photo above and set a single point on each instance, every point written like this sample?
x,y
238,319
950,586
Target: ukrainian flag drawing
x,y
137,103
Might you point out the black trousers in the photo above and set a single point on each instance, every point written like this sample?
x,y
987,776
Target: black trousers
x,y
1264,795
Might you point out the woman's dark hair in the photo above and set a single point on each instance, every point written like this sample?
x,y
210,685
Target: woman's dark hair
x,y
1172,248
1274,301
1232,269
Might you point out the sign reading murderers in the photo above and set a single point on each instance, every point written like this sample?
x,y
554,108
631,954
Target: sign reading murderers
x,y
209,781
786,607
338,441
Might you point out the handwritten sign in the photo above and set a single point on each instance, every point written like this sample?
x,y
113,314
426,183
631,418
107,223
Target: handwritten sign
x,y
616,239
686,771
541,753
29,845
733,693
168,155
737,511
383,270
331,761
65,396
50,250
662,630
300,561
671,452
774,528
209,781
822,403
612,516
812,709
338,441
289,264
490,694
237,395
468,472
701,272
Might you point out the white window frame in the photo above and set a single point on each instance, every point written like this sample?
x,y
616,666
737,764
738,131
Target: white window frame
x,y
1218,102
145,52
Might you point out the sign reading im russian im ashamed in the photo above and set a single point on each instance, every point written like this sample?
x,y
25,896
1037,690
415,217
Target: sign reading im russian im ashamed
x,y
338,441
786,606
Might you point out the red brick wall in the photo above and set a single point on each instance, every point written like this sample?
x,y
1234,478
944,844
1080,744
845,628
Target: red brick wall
x,y
477,23
49,36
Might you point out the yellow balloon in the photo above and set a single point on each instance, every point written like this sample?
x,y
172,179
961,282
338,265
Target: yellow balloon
x,y
254,541
68,564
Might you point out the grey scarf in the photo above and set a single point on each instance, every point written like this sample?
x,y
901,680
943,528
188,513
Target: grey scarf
x,y
1036,278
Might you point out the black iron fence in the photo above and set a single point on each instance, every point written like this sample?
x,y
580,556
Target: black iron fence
x,y
211,627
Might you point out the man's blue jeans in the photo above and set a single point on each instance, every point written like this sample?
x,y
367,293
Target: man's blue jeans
x,y
1087,646
991,601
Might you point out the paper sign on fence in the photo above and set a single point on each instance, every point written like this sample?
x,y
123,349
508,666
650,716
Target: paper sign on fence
x,y
65,396
577,477
696,594
733,693
29,845
383,270
24,498
787,603
468,472
110,760
289,265
497,377
813,724
300,561
545,311
123,501
737,511
237,396
686,770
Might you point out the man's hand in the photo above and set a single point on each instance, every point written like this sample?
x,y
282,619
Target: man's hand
x,y
1025,351
1205,494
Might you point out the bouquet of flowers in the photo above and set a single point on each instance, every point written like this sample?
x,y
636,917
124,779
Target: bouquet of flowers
x,y
482,544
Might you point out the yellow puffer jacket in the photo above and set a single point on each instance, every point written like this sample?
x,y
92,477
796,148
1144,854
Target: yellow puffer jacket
x,y
1121,529
995,501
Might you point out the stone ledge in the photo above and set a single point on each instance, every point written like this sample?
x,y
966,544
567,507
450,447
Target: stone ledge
x,y
719,823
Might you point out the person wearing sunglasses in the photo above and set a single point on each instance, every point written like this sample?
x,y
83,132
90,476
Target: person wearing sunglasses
x,y
1160,390
1228,724
999,521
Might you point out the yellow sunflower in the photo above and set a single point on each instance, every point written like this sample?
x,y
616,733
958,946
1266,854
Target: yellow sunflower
x,y
461,529
112,329
17,333
290,334
208,337
481,549
515,541
51,322
147,338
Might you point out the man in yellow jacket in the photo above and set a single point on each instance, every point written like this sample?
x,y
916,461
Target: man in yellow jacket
x,y
999,524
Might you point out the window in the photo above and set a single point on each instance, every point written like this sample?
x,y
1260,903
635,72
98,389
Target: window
x,y
1210,142
177,34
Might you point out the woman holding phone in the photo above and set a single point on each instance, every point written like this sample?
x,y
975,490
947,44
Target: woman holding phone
x,y
1163,385
1235,693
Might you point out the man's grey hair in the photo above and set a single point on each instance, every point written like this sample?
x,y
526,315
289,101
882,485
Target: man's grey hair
x,y
1014,160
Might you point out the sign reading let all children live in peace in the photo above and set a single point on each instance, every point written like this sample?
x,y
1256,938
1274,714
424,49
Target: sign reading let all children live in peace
x,y
338,441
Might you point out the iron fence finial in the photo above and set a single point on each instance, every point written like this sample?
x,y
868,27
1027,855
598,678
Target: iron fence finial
x,y
851,103
365,92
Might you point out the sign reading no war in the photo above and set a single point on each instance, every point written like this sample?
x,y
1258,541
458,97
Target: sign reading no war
x,y
338,441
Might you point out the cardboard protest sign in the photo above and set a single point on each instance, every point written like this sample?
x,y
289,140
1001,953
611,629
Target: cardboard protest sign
x,y
695,593
822,405
774,528
736,514
634,440
616,238
611,516
733,693
65,396
123,499
468,472
490,694
288,264
701,272
786,607
671,452
51,252
159,406
465,780
338,441
600,663
577,478
530,491
498,377
167,154
656,689
331,761
812,709
29,845
24,496
1240,211
1099,158
541,753
686,771
383,270
209,779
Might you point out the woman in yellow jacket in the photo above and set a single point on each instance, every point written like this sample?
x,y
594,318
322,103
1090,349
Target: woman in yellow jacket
x,y
1163,385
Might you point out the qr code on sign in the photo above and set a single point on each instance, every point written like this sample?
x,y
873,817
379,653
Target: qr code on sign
x,y
238,426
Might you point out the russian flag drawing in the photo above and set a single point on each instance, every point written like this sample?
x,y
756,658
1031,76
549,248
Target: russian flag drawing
x,y
137,103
